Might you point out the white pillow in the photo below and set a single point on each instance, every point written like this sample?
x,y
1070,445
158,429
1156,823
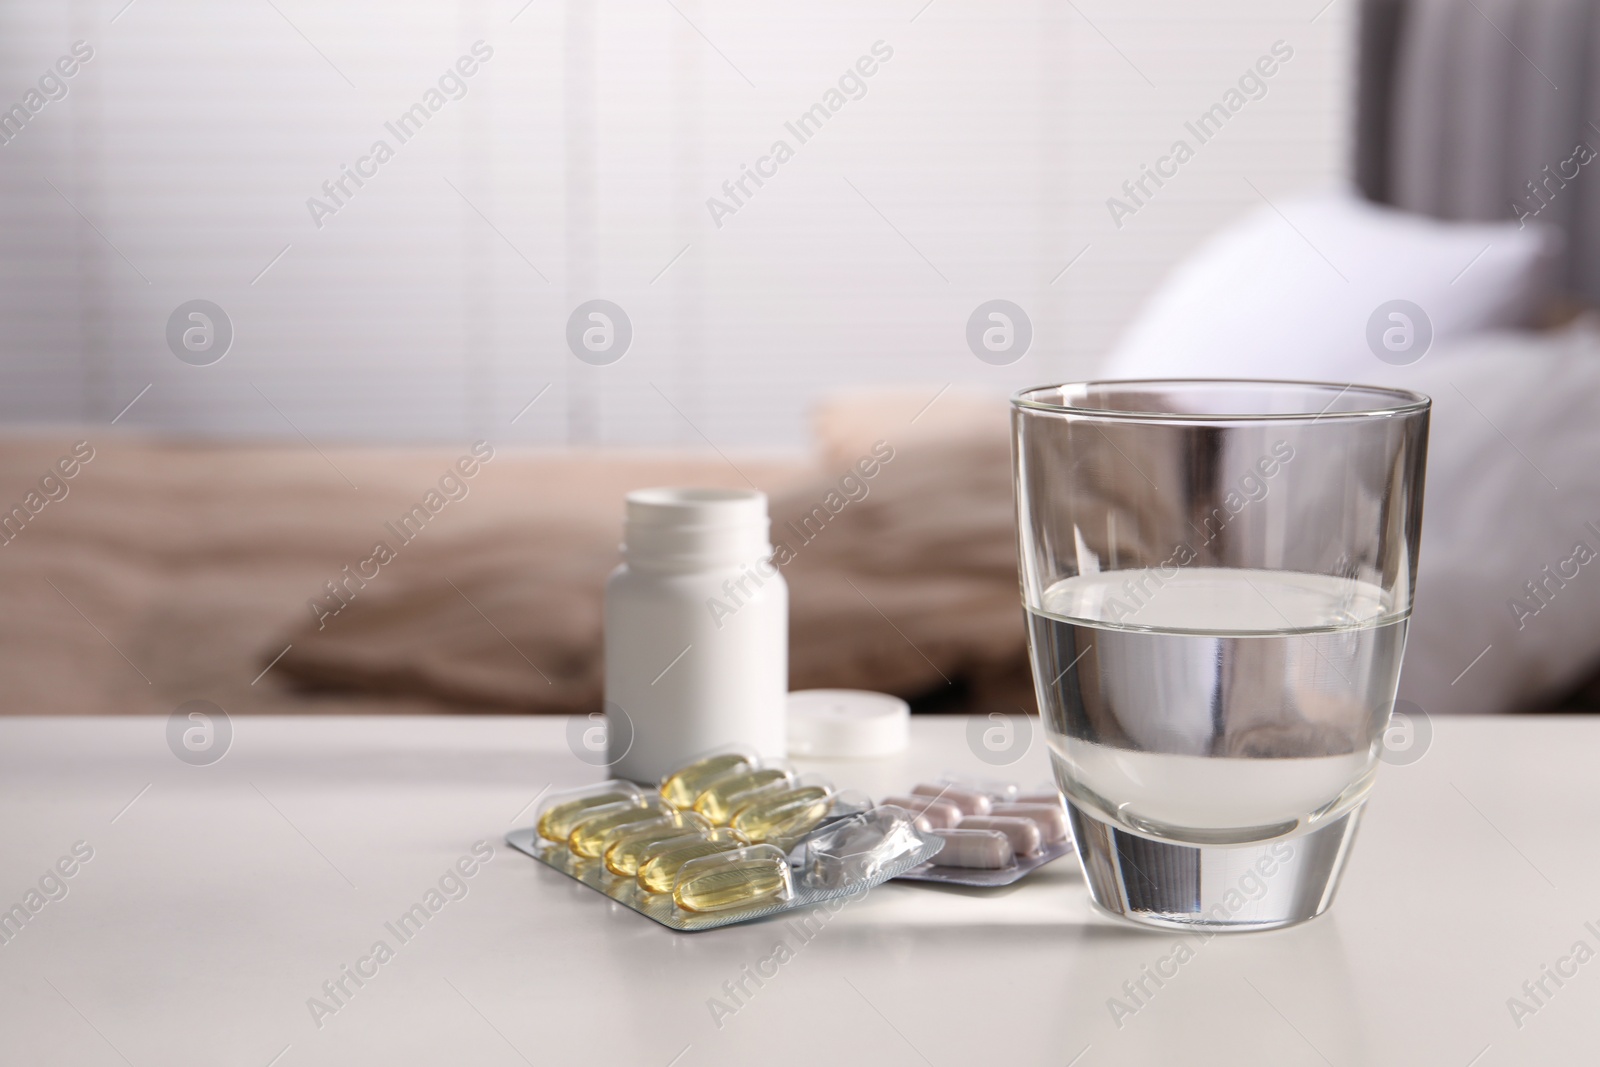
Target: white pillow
x,y
1291,295
1512,486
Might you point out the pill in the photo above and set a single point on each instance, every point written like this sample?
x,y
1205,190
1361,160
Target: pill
x,y
987,850
682,822
625,845
1024,834
1051,797
588,836
658,867
746,877
970,801
1051,819
782,813
721,798
556,822
940,814
682,787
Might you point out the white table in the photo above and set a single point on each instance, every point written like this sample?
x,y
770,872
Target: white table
x,y
222,899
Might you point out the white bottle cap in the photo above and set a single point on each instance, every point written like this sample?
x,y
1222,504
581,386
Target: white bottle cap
x,y
688,528
847,724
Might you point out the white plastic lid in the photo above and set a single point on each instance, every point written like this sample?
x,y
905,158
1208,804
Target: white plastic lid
x,y
847,724
688,527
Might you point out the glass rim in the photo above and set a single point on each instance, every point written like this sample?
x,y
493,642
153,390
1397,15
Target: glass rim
x,y
1405,402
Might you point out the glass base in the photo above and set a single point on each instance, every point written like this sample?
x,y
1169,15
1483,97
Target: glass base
x,y
1212,887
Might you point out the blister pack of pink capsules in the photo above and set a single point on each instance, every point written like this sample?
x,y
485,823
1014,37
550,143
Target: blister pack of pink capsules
x,y
994,833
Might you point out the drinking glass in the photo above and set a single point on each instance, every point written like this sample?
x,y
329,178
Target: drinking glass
x,y
1217,577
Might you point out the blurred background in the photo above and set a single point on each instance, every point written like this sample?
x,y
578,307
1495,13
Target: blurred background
x,y
577,165
275,268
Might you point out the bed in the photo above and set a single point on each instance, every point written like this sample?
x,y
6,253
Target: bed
x,y
286,577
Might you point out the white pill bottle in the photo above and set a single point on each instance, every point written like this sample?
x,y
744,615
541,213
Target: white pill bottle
x,y
696,632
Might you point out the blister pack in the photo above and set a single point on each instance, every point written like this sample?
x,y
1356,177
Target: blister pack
x,y
994,833
725,839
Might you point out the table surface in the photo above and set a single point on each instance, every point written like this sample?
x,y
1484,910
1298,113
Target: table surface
x,y
219,899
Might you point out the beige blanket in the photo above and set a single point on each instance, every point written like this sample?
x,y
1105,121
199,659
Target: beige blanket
x,y
165,571
903,581
172,571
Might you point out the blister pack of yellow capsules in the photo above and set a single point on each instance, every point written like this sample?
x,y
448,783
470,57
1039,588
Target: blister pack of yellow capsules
x,y
726,839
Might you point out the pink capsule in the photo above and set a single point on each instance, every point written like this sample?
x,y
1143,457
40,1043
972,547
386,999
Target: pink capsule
x,y
941,814
1051,819
969,801
1025,836
1051,797
984,850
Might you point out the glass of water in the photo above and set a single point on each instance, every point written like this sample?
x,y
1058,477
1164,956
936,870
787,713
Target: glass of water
x,y
1217,576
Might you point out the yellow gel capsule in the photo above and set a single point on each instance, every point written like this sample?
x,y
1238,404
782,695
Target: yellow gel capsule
x,y
627,844
588,836
681,789
785,813
556,823
659,866
741,879
717,801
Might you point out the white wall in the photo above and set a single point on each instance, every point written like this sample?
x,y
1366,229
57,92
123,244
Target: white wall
x,y
976,166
